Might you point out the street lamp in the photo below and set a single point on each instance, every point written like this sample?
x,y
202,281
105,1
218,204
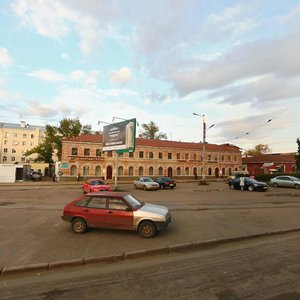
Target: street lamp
x,y
203,146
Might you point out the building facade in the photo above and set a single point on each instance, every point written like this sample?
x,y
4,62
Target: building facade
x,y
16,139
83,155
271,163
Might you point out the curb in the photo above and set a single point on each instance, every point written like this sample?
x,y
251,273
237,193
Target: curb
x,y
183,247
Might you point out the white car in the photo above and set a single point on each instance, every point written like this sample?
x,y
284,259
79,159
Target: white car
x,y
286,181
145,183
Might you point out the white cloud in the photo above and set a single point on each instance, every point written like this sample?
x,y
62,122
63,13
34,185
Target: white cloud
x,y
47,75
122,76
5,59
85,78
65,56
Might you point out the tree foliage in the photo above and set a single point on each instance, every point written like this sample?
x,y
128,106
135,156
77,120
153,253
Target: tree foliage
x,y
54,135
298,157
151,131
258,150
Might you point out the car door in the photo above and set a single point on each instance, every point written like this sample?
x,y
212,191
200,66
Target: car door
x,y
119,215
140,183
95,211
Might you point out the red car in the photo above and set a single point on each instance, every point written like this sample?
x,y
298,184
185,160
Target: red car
x,y
95,185
116,210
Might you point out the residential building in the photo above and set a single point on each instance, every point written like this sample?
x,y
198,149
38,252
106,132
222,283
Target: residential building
x,y
83,155
271,163
16,139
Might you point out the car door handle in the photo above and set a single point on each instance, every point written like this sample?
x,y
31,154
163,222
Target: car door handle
x,y
109,212
86,210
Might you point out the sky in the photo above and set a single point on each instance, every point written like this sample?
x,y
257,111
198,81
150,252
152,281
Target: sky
x,y
237,63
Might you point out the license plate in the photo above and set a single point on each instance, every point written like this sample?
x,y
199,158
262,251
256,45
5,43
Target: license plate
x,y
171,184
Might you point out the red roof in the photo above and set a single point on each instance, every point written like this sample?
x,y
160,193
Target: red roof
x,y
268,158
97,138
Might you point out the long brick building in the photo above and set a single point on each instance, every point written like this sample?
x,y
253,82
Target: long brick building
x,y
181,160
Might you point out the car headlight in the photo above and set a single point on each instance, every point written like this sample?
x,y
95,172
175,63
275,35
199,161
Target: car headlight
x,y
255,184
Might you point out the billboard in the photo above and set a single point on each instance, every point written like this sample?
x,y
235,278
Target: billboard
x,y
120,136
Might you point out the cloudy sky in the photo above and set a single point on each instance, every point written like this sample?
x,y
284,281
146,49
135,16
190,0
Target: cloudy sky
x,y
236,62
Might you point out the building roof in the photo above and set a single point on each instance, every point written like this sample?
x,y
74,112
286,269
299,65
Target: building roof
x,y
97,138
268,158
21,125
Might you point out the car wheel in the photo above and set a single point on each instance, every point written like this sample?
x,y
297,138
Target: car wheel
x,y
250,188
172,187
275,184
145,188
297,186
147,229
79,225
232,186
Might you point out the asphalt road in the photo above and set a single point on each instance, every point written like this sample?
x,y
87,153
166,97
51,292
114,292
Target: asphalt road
x,y
258,269
31,229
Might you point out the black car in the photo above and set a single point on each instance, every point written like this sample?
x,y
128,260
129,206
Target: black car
x,y
165,182
249,184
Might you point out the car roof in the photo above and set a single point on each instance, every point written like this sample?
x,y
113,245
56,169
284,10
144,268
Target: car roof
x,y
108,194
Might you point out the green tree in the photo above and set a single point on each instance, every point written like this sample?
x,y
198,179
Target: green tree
x,y
54,135
258,150
151,131
298,157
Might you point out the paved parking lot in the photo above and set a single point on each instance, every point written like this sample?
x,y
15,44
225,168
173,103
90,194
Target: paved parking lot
x,y
31,229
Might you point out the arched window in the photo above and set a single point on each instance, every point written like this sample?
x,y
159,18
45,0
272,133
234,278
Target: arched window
x,y
150,154
187,171
120,171
86,170
223,171
73,170
150,171
98,171
160,171
178,171
130,171
209,171
229,171
141,171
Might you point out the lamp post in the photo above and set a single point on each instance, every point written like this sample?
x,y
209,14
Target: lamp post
x,y
203,145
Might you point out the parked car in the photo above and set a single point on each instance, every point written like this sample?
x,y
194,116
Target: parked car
x,y
165,182
36,175
145,183
249,184
116,210
95,185
286,181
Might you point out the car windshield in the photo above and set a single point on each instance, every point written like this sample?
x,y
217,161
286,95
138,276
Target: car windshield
x,y
97,182
251,180
148,180
132,201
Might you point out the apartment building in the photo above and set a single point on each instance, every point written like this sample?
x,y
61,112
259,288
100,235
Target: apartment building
x,y
83,155
16,139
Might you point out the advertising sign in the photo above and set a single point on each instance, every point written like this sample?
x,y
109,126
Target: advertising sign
x,y
120,136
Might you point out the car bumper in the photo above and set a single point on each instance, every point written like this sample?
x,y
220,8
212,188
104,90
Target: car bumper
x,y
160,225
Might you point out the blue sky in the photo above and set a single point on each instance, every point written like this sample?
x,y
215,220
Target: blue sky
x,y
236,62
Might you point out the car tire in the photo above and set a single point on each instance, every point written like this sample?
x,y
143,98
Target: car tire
x,y
275,184
232,186
250,188
145,188
172,187
297,186
79,225
147,229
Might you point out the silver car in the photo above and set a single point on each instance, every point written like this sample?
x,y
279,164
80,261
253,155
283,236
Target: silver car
x,y
286,181
146,183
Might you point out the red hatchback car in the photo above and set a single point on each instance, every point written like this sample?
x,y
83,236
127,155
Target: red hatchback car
x,y
116,210
95,185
